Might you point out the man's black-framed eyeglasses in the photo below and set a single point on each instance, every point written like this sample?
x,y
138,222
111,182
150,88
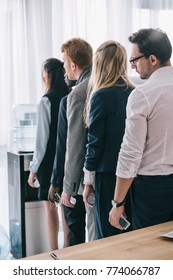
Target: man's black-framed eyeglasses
x,y
132,60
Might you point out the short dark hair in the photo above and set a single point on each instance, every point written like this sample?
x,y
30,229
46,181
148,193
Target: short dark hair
x,y
153,41
79,51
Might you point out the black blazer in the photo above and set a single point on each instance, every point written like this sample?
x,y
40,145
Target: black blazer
x,y
106,128
58,166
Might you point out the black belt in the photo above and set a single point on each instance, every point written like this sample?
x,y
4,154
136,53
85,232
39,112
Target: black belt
x,y
154,176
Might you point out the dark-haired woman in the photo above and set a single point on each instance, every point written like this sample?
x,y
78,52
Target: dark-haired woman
x,y
42,163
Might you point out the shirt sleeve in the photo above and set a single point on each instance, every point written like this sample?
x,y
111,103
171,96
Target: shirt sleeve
x,y
134,139
89,177
42,133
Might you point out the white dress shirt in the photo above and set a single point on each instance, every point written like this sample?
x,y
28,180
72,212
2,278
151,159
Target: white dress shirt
x,y
147,147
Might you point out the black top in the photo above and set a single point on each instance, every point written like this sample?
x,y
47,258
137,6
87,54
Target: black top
x,y
46,166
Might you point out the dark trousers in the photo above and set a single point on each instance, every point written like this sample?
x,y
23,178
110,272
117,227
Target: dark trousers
x,y
75,218
104,192
151,200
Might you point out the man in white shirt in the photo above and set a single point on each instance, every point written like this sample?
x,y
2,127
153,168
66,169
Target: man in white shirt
x,y
146,155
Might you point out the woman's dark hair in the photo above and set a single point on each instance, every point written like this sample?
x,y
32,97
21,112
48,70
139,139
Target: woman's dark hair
x,y
54,68
153,41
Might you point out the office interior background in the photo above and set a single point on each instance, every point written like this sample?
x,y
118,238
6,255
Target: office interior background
x,y
33,30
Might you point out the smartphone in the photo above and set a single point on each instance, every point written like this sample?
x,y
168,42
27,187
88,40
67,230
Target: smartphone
x,y
124,223
91,198
57,199
36,183
72,200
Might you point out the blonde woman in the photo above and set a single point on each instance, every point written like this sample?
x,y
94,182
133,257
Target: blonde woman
x,y
105,118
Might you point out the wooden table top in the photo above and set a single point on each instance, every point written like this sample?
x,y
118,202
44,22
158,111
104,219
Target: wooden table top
x,y
142,244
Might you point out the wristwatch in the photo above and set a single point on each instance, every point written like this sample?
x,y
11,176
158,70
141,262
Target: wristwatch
x,y
117,204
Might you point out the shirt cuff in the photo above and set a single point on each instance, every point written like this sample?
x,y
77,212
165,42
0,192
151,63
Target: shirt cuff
x,y
89,177
33,167
125,174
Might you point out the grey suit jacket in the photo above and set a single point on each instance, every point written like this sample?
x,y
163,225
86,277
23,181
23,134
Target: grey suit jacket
x,y
76,135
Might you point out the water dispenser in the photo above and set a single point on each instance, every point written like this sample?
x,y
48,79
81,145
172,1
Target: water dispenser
x,y
24,120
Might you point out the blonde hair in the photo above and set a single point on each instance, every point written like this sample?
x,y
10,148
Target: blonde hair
x,y
109,68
